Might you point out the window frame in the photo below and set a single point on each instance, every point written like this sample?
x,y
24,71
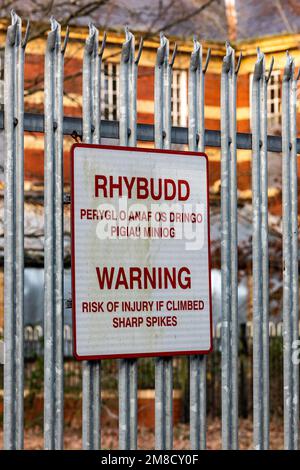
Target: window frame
x,y
179,85
109,109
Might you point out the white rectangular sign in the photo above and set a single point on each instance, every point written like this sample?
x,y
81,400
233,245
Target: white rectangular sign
x,y
140,252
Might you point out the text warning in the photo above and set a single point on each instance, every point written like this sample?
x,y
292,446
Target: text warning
x,y
140,252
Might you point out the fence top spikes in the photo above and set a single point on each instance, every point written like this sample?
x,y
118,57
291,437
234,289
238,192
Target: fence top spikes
x,y
26,36
53,34
127,46
289,67
63,49
237,69
91,39
140,50
197,47
195,55
229,49
208,56
93,31
12,28
227,60
103,44
14,17
54,24
270,70
171,63
162,50
259,67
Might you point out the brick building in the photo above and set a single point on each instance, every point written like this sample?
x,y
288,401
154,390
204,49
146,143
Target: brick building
x,y
248,25
274,26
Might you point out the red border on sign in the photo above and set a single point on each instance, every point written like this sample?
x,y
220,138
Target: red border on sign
x,y
135,355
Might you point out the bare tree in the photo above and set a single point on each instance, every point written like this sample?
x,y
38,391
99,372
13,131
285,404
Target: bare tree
x,y
175,17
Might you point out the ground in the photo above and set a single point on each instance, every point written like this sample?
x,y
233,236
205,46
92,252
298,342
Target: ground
x,y
34,436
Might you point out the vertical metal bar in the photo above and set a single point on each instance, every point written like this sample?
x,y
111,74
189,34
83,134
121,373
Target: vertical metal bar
x,y
19,208
49,267
287,256
124,365
225,254
258,397
54,244
162,132
229,252
128,368
13,249
233,251
9,240
294,241
160,366
91,117
197,142
59,246
265,255
19,113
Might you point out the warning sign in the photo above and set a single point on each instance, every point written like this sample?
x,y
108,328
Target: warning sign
x,y
140,252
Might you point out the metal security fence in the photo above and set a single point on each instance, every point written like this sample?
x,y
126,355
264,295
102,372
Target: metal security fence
x,y
33,372
92,129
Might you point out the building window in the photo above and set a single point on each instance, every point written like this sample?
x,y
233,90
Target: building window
x,y
179,98
110,94
274,100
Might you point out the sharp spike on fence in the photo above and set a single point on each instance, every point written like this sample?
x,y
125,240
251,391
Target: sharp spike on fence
x,y
52,35
173,55
127,32
140,50
239,63
227,62
54,24
161,51
14,17
103,44
289,67
270,70
208,56
163,40
90,40
126,46
259,66
195,58
66,40
12,29
26,36
92,30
